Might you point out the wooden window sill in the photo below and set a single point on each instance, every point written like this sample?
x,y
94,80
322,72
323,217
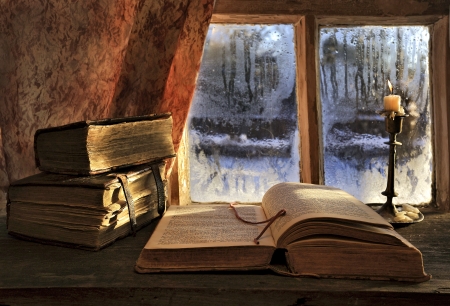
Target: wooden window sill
x,y
42,274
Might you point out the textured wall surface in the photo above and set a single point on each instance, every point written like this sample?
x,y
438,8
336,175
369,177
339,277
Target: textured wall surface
x,y
180,85
151,48
163,80
63,61
60,62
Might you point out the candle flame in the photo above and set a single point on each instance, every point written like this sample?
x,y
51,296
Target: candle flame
x,y
390,86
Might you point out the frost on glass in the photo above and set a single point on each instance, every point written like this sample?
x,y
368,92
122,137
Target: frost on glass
x,y
243,135
355,64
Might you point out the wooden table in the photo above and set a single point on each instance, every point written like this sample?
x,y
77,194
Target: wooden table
x,y
36,274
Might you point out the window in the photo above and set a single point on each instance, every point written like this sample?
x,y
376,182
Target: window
x,y
355,64
242,128
315,156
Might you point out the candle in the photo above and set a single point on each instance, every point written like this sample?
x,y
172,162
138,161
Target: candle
x,y
392,102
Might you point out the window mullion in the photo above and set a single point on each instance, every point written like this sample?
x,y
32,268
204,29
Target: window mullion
x,y
311,160
440,63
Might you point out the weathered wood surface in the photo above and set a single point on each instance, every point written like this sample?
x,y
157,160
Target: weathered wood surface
x,y
31,273
336,7
441,97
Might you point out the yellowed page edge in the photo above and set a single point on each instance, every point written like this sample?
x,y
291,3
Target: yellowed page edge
x,y
300,202
216,222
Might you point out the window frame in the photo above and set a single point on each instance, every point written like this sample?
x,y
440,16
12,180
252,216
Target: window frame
x,y
308,96
307,79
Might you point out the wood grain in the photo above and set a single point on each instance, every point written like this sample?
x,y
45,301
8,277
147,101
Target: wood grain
x,y
49,275
310,161
335,7
440,64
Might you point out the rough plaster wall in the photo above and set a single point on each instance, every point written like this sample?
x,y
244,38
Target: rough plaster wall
x,y
151,48
63,61
183,73
162,61
59,62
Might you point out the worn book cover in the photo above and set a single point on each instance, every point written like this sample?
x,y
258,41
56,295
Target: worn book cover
x,y
98,146
88,212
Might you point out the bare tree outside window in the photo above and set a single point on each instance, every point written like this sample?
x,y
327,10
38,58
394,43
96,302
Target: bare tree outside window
x,y
243,134
355,64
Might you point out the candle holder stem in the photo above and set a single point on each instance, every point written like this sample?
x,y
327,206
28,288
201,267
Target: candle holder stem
x,y
393,127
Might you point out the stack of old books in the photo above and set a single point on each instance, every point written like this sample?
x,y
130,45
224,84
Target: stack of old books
x,y
100,181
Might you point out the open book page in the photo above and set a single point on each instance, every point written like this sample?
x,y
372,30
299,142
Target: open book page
x,y
307,201
197,226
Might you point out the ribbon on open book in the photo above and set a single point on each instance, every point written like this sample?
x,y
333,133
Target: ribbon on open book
x,y
268,221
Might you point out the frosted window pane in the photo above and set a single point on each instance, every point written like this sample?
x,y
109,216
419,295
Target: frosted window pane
x,y
355,64
243,135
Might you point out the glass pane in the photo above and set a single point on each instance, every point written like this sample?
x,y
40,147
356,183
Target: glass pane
x,y
355,64
243,135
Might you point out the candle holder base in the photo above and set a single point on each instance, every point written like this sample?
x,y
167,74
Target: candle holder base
x,y
383,210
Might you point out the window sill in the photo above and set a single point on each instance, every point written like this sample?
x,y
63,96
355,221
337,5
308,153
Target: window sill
x,y
41,274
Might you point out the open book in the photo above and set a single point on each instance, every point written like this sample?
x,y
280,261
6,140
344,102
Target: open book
x,y
325,233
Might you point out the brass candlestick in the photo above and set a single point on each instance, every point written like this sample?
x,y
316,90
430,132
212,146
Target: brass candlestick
x,y
393,123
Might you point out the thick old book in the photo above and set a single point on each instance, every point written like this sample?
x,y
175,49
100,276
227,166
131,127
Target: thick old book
x,y
88,212
93,147
325,232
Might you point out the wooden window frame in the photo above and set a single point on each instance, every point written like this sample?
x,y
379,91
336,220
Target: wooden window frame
x,y
309,113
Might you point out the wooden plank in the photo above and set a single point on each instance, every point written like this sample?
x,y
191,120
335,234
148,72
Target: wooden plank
x,y
431,238
173,188
255,19
184,192
32,273
337,7
216,296
440,72
378,20
308,119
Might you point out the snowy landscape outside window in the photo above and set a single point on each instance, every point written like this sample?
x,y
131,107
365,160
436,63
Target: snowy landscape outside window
x,y
355,64
242,125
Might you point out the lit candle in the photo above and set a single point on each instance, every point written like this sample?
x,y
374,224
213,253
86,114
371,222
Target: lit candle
x,y
392,102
